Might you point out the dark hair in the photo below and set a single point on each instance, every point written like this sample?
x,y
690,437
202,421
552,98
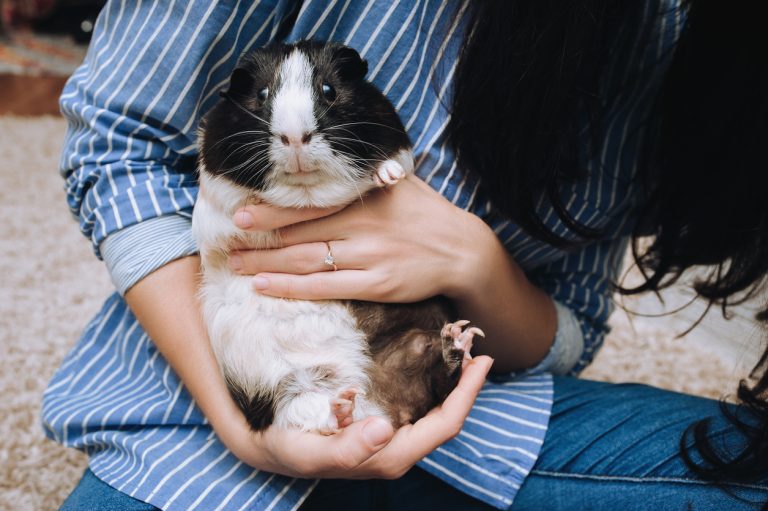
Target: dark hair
x,y
704,175
707,181
546,57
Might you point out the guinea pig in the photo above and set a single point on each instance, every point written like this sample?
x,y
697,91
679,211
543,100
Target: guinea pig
x,y
299,126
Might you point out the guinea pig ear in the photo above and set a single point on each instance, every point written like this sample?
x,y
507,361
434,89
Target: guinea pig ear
x,y
349,64
241,82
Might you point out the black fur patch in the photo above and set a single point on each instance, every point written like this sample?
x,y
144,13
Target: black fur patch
x,y
259,411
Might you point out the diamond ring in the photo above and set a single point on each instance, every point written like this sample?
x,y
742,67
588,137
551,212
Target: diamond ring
x,y
328,261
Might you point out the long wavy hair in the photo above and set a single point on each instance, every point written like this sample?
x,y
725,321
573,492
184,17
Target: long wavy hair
x,y
704,177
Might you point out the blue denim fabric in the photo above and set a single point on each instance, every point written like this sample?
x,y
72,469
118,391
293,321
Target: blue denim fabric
x,y
609,447
616,447
92,493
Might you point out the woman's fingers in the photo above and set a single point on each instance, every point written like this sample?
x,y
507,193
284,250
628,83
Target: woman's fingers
x,y
322,286
370,448
445,421
296,259
263,217
411,443
301,454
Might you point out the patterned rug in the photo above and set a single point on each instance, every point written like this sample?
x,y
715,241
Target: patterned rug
x,y
33,70
30,54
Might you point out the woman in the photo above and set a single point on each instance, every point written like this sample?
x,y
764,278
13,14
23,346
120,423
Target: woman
x,y
529,255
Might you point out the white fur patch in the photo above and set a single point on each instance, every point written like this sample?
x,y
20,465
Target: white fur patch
x,y
292,105
261,342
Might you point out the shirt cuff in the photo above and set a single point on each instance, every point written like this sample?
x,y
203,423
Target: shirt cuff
x,y
134,252
567,347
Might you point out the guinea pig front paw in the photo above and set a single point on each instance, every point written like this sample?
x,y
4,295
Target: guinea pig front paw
x,y
389,173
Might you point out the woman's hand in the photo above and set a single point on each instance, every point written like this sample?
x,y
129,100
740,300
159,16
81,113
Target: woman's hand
x,y
399,244
365,449
403,244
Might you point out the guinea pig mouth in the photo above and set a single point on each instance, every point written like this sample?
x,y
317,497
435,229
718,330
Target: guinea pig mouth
x,y
299,167
300,170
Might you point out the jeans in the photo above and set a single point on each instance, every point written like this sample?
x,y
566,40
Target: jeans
x,y
608,447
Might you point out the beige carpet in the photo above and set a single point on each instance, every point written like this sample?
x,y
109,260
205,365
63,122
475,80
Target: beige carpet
x,y
51,285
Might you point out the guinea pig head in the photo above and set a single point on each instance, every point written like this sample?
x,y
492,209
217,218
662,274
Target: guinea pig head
x,y
300,126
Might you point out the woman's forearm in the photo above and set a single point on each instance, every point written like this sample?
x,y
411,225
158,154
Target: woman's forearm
x,y
166,305
519,319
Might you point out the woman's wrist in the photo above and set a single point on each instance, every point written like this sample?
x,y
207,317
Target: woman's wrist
x,y
475,249
165,304
490,289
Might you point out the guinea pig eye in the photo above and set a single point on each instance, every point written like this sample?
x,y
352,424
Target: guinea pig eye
x,y
263,94
329,92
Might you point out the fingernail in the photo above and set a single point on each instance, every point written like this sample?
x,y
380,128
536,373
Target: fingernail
x,y
235,262
376,432
244,220
260,283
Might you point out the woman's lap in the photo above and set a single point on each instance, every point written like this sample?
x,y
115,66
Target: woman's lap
x,y
617,446
608,446
92,493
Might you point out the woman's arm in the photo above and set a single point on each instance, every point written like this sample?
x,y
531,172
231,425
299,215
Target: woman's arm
x,y
165,303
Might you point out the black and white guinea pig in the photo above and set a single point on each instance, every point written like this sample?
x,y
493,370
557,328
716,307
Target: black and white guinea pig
x,y
304,128
300,126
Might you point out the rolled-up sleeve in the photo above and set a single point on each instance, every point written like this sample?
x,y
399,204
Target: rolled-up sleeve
x,y
129,156
581,284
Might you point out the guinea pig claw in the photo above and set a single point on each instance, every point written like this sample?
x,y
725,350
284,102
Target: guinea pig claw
x,y
343,405
462,339
389,173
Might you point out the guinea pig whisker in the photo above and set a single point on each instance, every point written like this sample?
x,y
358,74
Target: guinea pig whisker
x,y
378,150
359,171
359,123
242,150
353,135
254,147
257,145
358,139
324,112
228,97
352,161
255,160
240,133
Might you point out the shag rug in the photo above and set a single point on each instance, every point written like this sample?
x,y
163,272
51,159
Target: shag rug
x,y
52,284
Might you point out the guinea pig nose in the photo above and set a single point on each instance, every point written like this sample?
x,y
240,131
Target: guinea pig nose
x,y
295,140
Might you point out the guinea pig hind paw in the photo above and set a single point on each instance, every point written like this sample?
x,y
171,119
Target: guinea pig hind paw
x,y
461,339
343,406
389,173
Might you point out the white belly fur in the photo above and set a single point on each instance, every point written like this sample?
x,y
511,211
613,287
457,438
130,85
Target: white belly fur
x,y
259,340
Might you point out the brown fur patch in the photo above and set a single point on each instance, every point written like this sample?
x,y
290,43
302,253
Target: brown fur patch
x,y
414,368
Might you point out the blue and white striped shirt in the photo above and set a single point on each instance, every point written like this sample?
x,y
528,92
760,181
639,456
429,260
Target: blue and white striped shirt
x,y
153,69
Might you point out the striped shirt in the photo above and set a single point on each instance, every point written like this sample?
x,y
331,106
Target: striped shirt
x,y
152,70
